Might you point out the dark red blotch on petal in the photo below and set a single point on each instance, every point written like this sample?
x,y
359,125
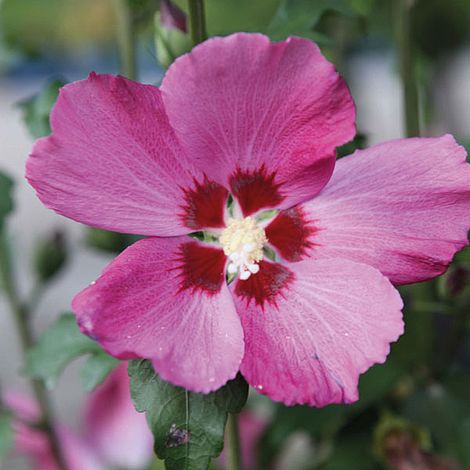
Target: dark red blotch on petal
x,y
204,205
291,234
202,267
266,285
255,190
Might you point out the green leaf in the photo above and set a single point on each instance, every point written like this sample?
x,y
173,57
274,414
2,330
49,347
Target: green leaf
x,y
96,369
188,427
6,434
58,346
6,200
299,17
36,110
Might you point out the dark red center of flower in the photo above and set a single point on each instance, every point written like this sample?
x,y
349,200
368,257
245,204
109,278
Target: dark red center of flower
x,y
255,190
205,201
266,285
202,267
291,234
204,205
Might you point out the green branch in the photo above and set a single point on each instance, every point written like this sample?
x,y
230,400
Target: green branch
x,y
126,39
21,315
407,64
233,443
197,22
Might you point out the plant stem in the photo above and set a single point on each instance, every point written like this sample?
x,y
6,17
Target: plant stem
x,y
197,22
126,39
406,53
233,438
20,316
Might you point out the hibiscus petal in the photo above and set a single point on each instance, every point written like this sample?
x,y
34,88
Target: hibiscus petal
x,y
327,322
113,162
263,117
33,443
166,299
115,429
402,206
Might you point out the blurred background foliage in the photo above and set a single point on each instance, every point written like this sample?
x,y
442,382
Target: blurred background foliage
x,y
414,411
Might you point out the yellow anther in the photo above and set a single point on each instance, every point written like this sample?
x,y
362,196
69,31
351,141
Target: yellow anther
x,y
241,234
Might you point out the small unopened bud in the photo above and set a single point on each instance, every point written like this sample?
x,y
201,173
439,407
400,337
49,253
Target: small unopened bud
x,y
113,242
405,446
457,279
171,34
50,256
172,17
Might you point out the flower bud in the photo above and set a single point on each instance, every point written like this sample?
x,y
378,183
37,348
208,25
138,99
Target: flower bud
x,y
457,279
171,38
405,446
113,242
50,256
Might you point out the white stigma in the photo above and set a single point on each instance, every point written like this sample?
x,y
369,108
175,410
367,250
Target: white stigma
x,y
242,241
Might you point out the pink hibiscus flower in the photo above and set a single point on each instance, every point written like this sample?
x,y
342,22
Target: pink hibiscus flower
x,y
238,127
115,435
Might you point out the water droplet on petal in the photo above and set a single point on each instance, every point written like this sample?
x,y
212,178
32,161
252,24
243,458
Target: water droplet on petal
x,y
259,387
